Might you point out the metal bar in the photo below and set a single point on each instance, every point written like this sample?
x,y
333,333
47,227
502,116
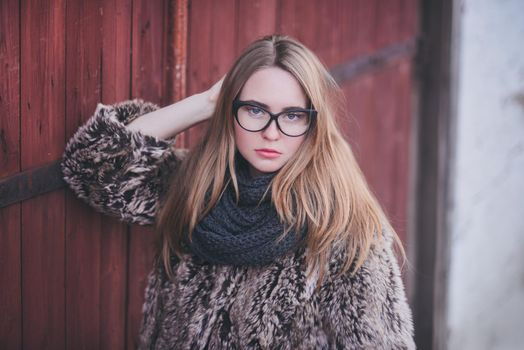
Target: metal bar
x,y
360,65
31,183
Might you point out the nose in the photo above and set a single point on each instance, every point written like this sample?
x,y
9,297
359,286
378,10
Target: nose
x,y
271,132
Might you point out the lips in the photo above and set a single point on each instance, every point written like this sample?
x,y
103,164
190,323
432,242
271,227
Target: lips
x,y
268,150
268,153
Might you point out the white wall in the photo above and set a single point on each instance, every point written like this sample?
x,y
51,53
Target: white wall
x,y
486,286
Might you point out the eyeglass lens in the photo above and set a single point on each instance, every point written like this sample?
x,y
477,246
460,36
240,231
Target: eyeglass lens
x,y
292,123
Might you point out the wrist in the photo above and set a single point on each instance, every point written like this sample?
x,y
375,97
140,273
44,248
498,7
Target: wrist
x,y
205,104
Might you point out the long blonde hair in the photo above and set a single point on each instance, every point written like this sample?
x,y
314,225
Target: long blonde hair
x,y
321,185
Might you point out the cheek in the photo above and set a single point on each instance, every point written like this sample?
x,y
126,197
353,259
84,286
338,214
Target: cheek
x,y
293,144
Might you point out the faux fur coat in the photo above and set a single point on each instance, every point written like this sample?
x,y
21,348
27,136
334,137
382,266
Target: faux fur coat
x,y
125,173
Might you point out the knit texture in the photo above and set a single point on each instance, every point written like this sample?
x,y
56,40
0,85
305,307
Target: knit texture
x,y
244,233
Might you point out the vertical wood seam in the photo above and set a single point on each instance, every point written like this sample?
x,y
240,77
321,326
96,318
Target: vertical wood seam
x,y
20,257
64,192
128,231
130,95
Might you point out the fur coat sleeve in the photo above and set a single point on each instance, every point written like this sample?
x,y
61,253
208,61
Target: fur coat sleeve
x,y
117,171
368,310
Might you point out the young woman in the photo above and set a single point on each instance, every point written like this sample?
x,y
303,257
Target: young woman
x,y
269,237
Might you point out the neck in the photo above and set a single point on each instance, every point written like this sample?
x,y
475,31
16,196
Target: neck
x,y
254,172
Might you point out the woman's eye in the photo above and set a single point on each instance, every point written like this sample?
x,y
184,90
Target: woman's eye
x,y
255,111
294,116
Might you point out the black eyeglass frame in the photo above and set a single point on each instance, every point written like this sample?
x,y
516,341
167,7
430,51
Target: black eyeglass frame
x,y
238,103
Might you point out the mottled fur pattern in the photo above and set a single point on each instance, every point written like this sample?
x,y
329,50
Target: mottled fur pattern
x,y
125,174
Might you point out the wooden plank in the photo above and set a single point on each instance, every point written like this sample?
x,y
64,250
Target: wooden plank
x,y
10,224
9,88
42,141
141,253
208,60
344,29
43,293
115,65
254,19
96,270
149,59
388,23
286,18
402,146
82,267
200,33
101,320
303,13
331,50
113,283
350,27
222,41
116,46
379,130
325,36
295,18
364,28
149,56
199,42
10,278
394,136
409,18
381,139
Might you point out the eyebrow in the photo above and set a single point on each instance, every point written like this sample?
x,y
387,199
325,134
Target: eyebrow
x,y
263,105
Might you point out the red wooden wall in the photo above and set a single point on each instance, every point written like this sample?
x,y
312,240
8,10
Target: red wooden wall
x,y
73,278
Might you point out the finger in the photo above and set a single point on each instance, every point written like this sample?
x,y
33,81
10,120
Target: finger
x,y
218,84
215,90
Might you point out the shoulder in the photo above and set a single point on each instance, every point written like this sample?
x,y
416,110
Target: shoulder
x,y
378,277
376,261
372,300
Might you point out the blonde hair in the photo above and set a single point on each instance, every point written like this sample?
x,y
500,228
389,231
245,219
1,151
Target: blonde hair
x,y
321,185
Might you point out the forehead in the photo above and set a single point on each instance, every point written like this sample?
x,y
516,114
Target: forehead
x,y
274,87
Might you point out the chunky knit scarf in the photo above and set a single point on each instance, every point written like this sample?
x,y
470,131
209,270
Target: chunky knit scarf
x,y
243,233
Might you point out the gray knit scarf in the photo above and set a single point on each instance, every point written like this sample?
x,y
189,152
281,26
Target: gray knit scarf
x,y
244,233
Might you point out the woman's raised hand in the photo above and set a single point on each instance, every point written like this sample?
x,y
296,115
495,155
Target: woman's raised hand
x,y
169,121
215,90
212,96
